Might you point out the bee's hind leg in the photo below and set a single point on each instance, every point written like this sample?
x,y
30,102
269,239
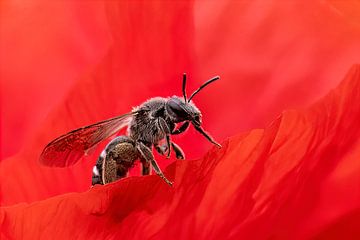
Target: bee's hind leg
x,y
147,155
115,160
145,167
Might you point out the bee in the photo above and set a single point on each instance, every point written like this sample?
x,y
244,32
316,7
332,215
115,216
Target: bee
x,y
149,125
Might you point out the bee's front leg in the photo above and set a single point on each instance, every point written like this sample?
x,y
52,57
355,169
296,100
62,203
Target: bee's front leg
x,y
178,151
148,156
181,129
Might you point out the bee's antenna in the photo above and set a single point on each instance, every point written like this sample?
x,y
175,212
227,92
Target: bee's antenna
x,y
184,87
202,86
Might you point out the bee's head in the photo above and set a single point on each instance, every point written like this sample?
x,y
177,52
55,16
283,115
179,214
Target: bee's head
x,y
183,109
180,111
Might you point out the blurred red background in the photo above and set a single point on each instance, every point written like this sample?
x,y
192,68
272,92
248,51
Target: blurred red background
x,y
68,64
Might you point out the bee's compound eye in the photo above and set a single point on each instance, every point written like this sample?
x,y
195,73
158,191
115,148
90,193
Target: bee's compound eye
x,y
177,109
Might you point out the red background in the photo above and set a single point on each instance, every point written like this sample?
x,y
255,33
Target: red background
x,y
68,64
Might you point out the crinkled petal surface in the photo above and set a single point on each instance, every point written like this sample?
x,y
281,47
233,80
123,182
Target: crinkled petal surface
x,y
66,64
296,179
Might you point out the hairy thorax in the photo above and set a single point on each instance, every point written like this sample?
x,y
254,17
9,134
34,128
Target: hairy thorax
x,y
144,126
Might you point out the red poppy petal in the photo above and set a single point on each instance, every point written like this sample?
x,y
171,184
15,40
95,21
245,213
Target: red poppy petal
x,y
298,178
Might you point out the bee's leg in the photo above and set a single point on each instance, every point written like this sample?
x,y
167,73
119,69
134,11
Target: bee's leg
x,y
181,129
161,149
165,128
147,155
109,173
119,156
178,151
121,170
145,168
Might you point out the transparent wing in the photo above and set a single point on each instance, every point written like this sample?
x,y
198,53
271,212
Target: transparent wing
x,y
67,149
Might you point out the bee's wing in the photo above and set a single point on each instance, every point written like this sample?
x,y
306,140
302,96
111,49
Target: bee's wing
x,y
67,149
